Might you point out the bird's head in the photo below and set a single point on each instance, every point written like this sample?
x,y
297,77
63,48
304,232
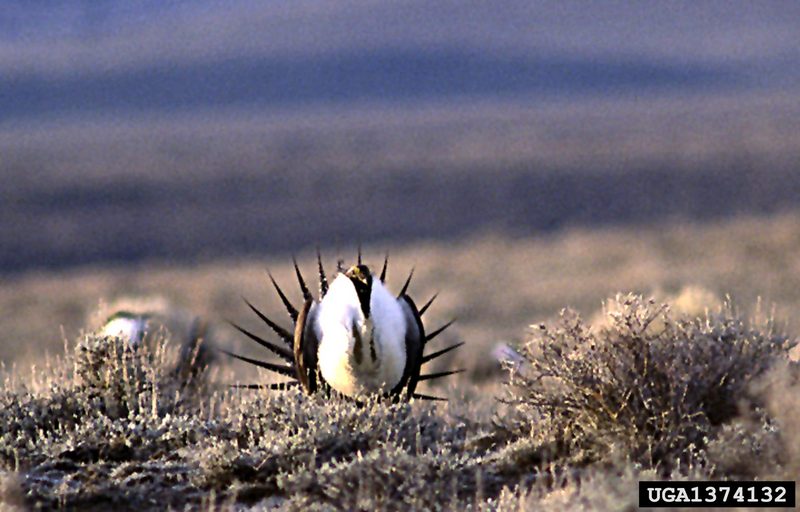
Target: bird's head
x,y
361,278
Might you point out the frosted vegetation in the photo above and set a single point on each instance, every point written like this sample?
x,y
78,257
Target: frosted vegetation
x,y
650,390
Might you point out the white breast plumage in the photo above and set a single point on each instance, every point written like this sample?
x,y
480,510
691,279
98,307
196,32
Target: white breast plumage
x,y
360,355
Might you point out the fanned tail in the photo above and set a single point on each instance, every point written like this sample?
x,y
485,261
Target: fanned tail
x,y
288,305
383,270
420,396
439,353
408,282
281,352
294,368
285,335
438,331
274,385
439,375
323,280
301,281
425,307
287,371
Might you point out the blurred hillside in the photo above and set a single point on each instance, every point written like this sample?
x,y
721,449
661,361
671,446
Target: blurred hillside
x,y
194,189
200,130
496,286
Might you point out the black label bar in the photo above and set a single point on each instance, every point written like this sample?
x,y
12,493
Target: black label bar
x,y
717,494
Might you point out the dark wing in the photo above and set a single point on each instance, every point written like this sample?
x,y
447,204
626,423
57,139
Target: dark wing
x,y
415,344
416,340
305,347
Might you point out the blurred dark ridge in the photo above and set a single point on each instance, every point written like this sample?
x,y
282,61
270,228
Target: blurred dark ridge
x,y
234,215
386,75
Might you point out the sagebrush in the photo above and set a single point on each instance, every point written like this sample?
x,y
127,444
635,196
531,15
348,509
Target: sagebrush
x,y
588,410
648,386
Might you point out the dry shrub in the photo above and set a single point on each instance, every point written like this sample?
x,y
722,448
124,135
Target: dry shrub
x,y
131,380
591,489
650,386
320,452
781,387
389,476
114,426
746,448
101,429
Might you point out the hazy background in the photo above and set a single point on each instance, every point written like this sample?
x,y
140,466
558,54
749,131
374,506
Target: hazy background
x,y
195,140
183,130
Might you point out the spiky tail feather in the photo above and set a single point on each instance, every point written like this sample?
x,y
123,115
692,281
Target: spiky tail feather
x,y
285,335
408,282
301,281
323,280
287,371
385,265
439,353
438,331
439,375
286,303
281,352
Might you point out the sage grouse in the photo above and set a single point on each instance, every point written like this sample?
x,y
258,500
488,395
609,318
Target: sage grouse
x,y
356,338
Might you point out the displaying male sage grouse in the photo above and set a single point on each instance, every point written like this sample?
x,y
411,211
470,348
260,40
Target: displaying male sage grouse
x,y
357,339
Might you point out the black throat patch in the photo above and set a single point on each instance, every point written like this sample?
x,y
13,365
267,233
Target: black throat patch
x,y
362,280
